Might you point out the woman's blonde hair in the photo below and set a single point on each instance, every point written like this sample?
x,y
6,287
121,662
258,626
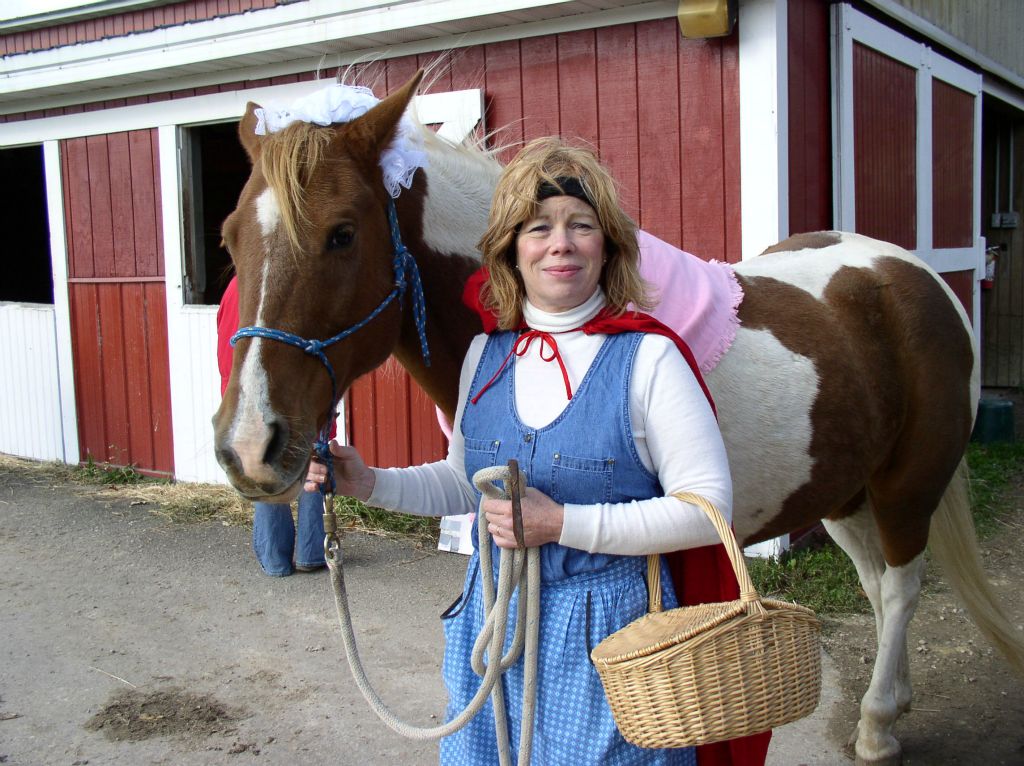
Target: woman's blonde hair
x,y
544,161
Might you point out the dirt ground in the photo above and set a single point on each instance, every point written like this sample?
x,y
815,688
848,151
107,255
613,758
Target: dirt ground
x,y
128,639
968,706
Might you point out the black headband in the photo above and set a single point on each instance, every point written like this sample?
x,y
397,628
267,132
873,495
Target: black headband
x,y
564,186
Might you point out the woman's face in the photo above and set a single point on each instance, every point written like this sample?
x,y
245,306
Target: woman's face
x,y
559,253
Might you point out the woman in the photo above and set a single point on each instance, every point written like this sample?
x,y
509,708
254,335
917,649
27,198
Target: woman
x,y
606,422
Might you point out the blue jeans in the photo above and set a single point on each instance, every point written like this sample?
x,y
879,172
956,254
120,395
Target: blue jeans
x,y
275,538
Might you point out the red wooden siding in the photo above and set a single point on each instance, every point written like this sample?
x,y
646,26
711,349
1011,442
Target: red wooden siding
x,y
952,166
117,300
131,22
962,284
662,112
885,135
392,421
810,111
657,89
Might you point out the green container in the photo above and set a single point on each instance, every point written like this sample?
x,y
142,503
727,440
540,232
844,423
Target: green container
x,y
994,422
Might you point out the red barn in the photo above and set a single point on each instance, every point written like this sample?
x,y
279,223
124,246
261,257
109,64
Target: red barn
x,y
117,143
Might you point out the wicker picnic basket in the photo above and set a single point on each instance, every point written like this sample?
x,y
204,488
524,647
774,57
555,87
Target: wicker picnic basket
x,y
712,672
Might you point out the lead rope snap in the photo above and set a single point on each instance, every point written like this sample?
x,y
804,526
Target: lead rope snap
x,y
332,545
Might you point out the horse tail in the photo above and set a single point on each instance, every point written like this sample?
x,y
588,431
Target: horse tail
x,y
954,545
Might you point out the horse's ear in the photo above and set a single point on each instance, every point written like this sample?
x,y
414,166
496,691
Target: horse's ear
x,y
247,132
378,125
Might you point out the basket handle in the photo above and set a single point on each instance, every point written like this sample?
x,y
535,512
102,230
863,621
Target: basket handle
x,y
748,593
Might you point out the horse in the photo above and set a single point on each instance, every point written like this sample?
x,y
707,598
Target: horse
x,y
848,395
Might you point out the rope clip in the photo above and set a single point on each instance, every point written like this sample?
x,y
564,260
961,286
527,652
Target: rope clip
x,y
332,543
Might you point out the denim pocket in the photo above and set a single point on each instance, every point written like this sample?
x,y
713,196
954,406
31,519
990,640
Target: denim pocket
x,y
581,479
480,453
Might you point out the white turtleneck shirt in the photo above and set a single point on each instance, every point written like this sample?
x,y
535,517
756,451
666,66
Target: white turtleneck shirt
x,y
675,431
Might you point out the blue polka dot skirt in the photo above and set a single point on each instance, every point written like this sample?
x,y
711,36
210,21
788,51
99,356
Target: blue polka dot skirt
x,y
573,724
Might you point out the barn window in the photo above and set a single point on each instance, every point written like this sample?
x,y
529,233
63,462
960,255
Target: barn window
x,y
28,272
215,169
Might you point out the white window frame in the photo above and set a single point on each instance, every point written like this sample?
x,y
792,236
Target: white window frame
x,y
764,125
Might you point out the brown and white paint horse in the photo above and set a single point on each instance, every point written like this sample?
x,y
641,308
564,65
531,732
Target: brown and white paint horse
x,y
848,395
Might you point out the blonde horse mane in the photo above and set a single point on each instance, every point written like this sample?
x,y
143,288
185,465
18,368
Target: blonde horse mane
x,y
287,159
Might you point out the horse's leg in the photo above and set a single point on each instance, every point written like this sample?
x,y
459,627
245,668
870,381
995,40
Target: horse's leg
x,y
893,593
858,536
881,704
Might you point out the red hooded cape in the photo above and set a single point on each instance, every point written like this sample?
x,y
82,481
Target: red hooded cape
x,y
700,575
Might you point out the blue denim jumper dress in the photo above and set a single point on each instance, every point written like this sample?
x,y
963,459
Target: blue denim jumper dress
x,y
586,455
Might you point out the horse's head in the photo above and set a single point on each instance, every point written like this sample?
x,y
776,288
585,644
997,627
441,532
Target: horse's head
x,y
312,249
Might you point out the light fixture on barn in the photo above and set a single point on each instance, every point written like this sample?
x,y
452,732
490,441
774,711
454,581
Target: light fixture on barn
x,y
706,18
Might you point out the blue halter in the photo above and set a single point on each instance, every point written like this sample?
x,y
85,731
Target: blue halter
x,y
407,274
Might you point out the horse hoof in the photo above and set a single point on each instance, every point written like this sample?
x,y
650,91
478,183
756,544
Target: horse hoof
x,y
893,758
890,760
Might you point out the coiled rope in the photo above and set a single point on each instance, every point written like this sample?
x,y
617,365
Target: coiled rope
x,y
488,644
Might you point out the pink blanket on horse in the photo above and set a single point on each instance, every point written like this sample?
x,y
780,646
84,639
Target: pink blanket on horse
x,y
698,299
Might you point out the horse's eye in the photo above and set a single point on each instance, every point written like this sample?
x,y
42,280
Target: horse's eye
x,y
341,237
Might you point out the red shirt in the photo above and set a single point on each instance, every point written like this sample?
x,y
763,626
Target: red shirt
x,y
227,325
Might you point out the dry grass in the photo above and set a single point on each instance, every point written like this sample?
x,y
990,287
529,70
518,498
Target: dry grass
x,y
188,503
35,469
179,502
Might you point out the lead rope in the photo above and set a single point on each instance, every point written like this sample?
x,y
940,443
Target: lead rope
x,y
488,644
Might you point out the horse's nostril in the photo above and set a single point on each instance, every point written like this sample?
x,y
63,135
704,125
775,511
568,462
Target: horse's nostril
x,y
276,443
227,458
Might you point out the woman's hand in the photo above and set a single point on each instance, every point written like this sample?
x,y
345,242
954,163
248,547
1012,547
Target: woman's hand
x,y
542,519
352,478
